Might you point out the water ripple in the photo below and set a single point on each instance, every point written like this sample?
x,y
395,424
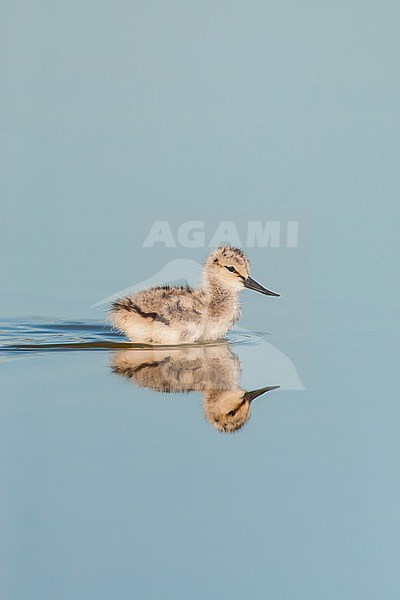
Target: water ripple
x,y
33,335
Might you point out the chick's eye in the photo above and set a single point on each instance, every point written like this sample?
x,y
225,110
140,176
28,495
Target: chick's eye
x,y
231,269
231,413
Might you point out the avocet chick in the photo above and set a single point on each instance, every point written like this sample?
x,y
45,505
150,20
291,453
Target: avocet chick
x,y
183,315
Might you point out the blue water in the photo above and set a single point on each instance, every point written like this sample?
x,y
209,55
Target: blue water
x,y
116,480
30,335
112,488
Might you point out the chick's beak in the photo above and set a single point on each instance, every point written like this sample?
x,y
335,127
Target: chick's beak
x,y
250,284
250,396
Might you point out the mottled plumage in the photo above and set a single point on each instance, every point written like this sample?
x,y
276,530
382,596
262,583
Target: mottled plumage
x,y
183,315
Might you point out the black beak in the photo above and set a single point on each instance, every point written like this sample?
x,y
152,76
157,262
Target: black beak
x,y
250,396
250,284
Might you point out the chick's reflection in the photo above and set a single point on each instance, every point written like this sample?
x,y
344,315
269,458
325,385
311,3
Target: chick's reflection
x,y
212,370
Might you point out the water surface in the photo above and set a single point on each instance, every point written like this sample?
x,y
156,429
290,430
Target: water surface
x,y
118,483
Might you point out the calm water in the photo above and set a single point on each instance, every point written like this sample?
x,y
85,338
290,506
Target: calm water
x,y
119,483
116,479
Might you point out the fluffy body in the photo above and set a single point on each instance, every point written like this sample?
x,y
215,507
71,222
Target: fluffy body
x,y
182,315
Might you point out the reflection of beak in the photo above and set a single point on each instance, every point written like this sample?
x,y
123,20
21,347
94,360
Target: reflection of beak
x,y
250,284
250,396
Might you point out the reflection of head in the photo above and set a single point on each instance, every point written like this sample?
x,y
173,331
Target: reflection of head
x,y
229,410
213,370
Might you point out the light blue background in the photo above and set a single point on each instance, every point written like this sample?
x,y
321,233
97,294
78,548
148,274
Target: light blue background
x,y
117,114
115,108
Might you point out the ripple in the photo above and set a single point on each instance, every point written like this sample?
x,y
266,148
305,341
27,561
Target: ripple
x,y
39,335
